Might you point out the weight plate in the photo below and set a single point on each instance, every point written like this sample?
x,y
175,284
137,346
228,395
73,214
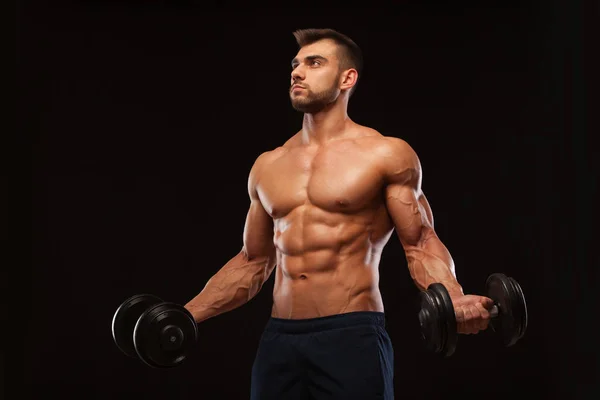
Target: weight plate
x,y
519,309
500,289
125,318
447,318
429,319
164,335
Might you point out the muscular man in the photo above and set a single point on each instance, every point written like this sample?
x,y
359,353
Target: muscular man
x,y
322,208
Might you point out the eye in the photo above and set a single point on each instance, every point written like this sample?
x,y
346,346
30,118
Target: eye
x,y
315,62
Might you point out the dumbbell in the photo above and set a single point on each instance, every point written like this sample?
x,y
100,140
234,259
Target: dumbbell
x,y
438,320
161,334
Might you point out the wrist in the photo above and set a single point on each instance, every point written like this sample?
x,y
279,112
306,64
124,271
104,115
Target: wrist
x,y
197,312
455,291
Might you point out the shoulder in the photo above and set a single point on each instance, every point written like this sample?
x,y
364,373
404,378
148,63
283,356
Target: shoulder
x,y
266,158
396,159
388,148
261,162
395,149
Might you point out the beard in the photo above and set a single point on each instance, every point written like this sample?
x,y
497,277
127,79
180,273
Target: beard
x,y
314,102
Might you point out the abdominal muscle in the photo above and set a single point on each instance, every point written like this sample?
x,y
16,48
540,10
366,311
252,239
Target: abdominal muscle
x,y
327,263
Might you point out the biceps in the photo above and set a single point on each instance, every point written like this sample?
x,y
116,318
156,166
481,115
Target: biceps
x,y
258,232
410,213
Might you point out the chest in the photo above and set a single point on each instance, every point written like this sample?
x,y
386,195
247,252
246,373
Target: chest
x,y
336,180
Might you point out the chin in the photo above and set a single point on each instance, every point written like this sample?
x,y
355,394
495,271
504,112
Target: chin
x,y
307,107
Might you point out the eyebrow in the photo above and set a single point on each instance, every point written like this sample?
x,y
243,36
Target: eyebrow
x,y
309,58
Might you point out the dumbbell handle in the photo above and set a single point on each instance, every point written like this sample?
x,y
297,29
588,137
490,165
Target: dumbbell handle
x,y
494,311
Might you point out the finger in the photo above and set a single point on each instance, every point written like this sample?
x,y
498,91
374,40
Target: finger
x,y
469,321
484,312
487,302
460,316
475,319
460,320
484,316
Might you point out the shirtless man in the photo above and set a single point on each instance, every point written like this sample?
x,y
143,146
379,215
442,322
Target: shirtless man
x,y
322,207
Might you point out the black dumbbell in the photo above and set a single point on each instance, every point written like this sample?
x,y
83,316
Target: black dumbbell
x,y
161,334
438,320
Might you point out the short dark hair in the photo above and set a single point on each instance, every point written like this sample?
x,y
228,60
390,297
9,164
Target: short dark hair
x,y
350,55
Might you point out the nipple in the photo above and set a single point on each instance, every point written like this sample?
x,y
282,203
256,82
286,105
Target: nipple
x,y
342,202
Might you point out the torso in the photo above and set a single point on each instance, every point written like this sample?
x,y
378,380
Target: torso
x,y
330,225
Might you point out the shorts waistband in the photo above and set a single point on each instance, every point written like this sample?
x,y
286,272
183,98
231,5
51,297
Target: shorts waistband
x,y
319,324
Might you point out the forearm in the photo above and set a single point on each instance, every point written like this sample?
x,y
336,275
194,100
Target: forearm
x,y
429,261
233,285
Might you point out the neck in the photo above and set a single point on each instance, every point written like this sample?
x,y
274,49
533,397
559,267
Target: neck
x,y
327,124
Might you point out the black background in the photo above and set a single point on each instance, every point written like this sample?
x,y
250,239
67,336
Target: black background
x,y
146,117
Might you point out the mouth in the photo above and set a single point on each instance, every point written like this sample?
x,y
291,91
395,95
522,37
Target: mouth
x,y
296,87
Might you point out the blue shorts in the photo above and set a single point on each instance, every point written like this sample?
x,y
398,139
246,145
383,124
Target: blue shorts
x,y
346,356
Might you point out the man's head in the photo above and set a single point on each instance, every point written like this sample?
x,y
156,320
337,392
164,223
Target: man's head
x,y
327,64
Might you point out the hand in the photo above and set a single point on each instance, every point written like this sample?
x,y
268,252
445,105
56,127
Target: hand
x,y
472,313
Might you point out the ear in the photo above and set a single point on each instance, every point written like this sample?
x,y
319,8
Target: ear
x,y
348,79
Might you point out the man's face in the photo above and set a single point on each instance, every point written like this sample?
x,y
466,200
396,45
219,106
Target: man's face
x,y
315,76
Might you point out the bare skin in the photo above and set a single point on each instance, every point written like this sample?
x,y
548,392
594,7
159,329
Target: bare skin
x,y
324,205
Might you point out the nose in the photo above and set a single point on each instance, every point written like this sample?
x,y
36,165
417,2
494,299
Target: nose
x,y
297,74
